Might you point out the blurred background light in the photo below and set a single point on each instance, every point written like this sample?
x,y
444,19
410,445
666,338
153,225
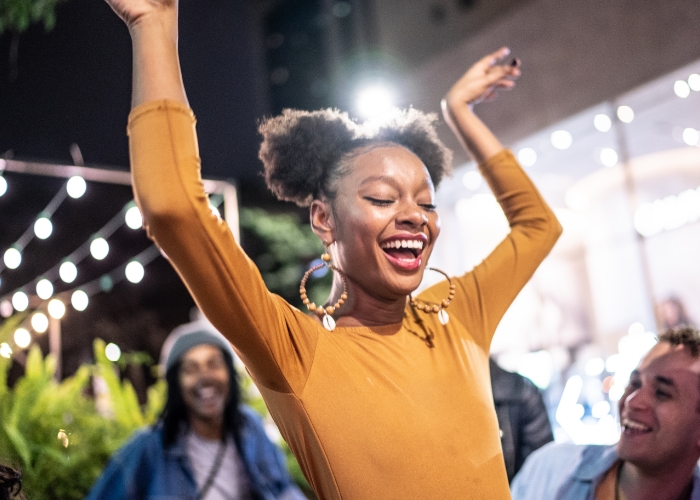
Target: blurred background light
x,y
561,139
600,409
3,185
113,352
44,289
99,248
22,338
691,136
602,122
134,271
20,301
43,228
681,89
76,187
6,308
527,157
594,367
40,323
694,82
5,350
68,272
133,218
79,300
625,114
608,157
374,102
472,180
56,308
12,258
215,211
537,366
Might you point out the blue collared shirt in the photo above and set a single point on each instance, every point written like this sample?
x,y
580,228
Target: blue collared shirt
x,y
570,472
143,470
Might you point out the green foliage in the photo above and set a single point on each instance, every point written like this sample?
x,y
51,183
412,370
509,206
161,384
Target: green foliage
x,y
17,15
288,246
57,433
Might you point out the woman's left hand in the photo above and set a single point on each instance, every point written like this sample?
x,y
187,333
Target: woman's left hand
x,y
483,80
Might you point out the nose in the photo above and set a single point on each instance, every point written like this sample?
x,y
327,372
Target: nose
x,y
412,215
639,399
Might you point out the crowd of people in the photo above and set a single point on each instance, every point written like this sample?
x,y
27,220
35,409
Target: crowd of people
x,y
379,392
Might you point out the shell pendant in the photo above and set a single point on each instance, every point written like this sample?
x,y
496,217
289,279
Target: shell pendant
x,y
443,317
328,323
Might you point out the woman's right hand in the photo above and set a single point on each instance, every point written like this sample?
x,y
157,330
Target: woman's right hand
x,y
133,12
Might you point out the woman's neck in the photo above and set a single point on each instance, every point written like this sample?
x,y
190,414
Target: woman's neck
x,y
364,309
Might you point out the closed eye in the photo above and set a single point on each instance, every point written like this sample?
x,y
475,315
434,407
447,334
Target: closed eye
x,y
429,207
379,202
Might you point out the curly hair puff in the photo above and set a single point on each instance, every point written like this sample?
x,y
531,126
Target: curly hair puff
x,y
303,152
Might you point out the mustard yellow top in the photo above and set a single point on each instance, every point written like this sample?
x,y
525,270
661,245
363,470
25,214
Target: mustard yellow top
x,y
370,413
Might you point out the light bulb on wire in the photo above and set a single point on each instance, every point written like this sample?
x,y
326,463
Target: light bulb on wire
x,y
76,187
44,289
133,218
3,185
68,272
20,301
134,271
12,258
22,338
56,308
40,323
79,300
99,248
43,228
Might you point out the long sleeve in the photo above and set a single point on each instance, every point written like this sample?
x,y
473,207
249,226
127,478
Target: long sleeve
x,y
484,294
223,281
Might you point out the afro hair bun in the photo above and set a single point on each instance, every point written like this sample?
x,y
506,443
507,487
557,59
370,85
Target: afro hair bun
x,y
300,149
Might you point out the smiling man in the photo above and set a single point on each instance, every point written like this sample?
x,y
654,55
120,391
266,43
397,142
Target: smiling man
x,y
205,444
656,457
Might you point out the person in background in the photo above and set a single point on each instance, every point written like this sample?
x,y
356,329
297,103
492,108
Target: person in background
x,y
656,457
10,484
522,417
673,314
206,445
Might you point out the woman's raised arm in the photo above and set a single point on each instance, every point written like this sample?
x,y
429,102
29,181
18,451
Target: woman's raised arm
x,y
156,66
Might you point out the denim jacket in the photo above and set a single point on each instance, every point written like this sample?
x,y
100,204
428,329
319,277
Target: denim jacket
x,y
143,470
570,472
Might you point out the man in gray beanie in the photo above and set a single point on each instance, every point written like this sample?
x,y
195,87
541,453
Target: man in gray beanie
x,y
206,445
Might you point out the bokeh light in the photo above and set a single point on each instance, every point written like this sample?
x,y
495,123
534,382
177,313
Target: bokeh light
x,y
602,122
133,218
43,228
99,248
527,157
134,271
20,301
608,157
40,323
12,258
44,289
561,139
68,272
79,300
625,114
113,352
56,308
22,338
76,187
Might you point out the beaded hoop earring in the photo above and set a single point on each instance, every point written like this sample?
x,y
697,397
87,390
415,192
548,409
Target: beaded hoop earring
x,y
324,312
443,317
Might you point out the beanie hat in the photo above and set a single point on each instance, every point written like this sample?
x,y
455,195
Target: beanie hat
x,y
188,340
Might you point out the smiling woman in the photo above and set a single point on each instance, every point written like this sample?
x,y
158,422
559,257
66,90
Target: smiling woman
x,y
390,399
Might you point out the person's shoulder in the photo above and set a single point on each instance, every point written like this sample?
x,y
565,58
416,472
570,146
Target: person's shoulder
x,y
141,440
546,470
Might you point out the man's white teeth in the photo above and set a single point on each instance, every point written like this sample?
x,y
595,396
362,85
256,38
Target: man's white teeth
x,y
404,244
635,426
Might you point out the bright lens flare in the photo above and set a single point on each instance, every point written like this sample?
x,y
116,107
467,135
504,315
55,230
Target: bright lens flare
x,y
76,187
57,309
374,102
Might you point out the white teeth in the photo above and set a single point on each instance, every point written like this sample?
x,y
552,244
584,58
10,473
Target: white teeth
x,y
403,244
206,392
631,424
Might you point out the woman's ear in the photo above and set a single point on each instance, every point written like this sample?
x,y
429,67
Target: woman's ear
x,y
322,222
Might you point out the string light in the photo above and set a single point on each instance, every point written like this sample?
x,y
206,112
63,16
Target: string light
x,y
602,122
20,301
608,157
12,258
99,248
561,139
56,308
694,82
681,89
691,136
133,218
6,308
43,228
44,289
22,338
76,187
134,271
3,185
79,300
625,114
40,323
68,272
113,352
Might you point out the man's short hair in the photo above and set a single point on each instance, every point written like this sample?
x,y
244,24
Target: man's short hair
x,y
686,336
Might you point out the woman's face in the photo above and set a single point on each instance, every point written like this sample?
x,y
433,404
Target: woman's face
x,y
384,220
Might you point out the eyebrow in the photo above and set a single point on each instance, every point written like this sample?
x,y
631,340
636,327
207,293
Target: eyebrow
x,y
389,180
665,380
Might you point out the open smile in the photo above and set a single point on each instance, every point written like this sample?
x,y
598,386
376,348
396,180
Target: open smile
x,y
633,428
404,252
